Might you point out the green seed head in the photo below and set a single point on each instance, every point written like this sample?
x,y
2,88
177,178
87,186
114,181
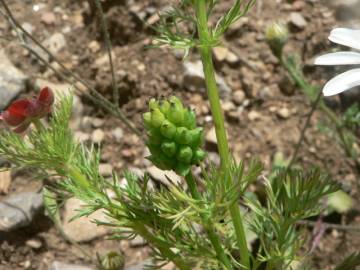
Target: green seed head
x,y
174,140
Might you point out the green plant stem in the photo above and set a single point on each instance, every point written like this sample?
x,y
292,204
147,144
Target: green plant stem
x,y
214,238
38,125
162,246
76,175
212,89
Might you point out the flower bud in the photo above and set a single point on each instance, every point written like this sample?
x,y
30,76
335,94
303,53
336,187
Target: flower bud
x,y
157,118
168,129
185,154
112,261
277,35
169,148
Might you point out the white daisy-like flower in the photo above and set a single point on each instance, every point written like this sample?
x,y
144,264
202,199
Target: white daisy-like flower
x,y
348,79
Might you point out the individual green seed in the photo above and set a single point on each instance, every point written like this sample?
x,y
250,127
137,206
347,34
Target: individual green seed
x,y
176,101
169,148
168,129
196,137
153,104
189,119
157,118
164,106
185,154
182,169
182,135
175,114
147,120
155,136
199,155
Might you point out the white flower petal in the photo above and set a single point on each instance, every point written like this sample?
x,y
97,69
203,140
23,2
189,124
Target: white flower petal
x,y
342,82
346,37
338,58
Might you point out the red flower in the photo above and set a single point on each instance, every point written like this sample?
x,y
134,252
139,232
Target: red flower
x,y
22,112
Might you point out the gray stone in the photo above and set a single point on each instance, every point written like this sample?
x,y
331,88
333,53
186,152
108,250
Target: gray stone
x,y
19,210
298,20
238,97
82,229
118,134
211,136
165,177
56,265
97,136
138,241
55,43
105,169
194,79
12,81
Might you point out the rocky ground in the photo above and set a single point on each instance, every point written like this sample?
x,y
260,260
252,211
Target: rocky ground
x,y
264,111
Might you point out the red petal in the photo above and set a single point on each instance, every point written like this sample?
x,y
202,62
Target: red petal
x,y
19,107
12,119
46,96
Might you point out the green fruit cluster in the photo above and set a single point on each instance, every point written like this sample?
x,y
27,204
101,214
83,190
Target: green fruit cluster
x,y
174,139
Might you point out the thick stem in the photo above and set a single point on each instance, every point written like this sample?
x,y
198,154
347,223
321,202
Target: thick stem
x,y
214,238
223,147
162,246
76,175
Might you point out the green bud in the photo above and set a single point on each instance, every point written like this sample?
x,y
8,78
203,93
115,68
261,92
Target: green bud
x,y
113,261
168,129
199,156
169,148
182,169
277,35
182,135
157,118
189,119
147,120
185,154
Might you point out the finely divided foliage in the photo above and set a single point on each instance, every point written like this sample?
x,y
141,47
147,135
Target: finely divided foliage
x,y
198,225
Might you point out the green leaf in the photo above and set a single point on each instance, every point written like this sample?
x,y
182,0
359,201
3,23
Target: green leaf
x,y
340,201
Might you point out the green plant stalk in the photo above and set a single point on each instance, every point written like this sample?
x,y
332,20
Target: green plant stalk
x,y
213,237
76,175
162,246
206,55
